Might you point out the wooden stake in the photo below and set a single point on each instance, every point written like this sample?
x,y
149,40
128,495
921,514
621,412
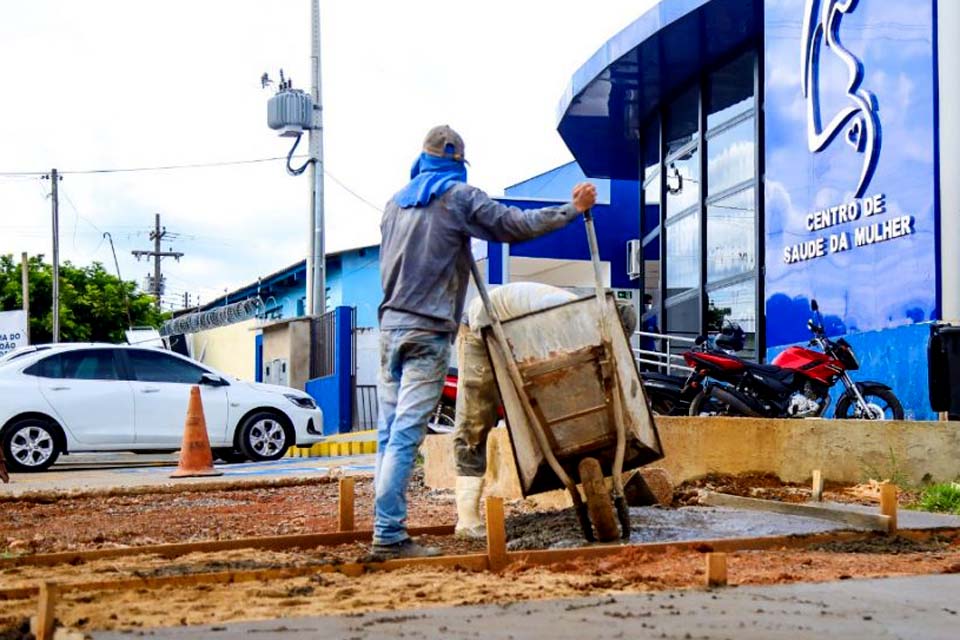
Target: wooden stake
x,y
496,534
47,603
888,505
817,486
346,504
716,569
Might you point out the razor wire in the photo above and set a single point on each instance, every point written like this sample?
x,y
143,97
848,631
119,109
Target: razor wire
x,y
214,318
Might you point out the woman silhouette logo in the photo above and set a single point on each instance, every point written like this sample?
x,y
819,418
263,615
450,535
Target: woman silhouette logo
x,y
821,28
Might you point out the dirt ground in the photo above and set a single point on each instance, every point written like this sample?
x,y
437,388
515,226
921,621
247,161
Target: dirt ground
x,y
769,487
409,589
99,522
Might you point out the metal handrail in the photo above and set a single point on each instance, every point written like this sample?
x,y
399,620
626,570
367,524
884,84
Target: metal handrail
x,y
664,358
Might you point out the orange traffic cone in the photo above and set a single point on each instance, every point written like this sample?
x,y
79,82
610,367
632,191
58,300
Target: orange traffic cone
x,y
196,459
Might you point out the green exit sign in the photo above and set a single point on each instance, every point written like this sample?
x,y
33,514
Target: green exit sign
x,y
624,295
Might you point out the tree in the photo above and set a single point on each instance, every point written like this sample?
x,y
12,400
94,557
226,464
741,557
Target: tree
x,y
92,307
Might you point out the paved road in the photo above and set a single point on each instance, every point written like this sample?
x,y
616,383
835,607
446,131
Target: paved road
x,y
921,607
105,471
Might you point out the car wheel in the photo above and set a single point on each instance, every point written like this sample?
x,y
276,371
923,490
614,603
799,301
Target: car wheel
x,y
31,444
263,437
230,456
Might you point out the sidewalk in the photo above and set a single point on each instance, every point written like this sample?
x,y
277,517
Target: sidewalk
x,y
923,607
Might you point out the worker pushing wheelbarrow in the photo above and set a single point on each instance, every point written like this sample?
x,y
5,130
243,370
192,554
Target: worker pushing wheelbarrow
x,y
573,401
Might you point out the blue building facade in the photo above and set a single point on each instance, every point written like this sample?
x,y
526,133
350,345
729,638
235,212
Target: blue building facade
x,y
783,151
562,257
353,280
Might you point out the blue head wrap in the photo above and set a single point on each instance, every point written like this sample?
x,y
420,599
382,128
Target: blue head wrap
x,y
430,177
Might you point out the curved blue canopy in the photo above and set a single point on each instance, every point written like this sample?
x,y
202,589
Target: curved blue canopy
x,y
648,62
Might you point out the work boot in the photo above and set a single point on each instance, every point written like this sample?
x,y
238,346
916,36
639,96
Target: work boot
x,y
403,549
469,523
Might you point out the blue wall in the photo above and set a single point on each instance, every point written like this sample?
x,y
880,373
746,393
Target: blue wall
x,y
353,280
615,224
896,357
864,128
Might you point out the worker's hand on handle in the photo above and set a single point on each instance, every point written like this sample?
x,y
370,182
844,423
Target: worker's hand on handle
x,y
584,196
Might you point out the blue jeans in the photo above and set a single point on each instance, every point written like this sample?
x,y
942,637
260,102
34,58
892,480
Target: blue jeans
x,y
413,365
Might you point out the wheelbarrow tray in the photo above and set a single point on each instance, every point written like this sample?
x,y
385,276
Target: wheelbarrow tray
x,y
560,354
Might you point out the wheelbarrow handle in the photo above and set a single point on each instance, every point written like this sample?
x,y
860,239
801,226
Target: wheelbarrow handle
x,y
597,274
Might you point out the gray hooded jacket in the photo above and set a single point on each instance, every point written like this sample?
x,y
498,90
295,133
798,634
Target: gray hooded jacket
x,y
424,254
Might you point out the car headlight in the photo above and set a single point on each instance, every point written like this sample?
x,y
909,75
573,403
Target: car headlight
x,y
303,402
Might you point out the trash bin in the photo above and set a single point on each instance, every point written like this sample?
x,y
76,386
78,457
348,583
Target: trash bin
x,y
943,361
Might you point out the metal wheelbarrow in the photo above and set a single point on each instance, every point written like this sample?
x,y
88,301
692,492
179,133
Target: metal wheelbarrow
x,y
574,404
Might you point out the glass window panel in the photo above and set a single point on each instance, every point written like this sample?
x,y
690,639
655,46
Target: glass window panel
x,y
730,157
683,181
149,366
683,254
651,206
651,270
47,368
683,319
683,118
731,236
651,146
735,304
730,90
96,364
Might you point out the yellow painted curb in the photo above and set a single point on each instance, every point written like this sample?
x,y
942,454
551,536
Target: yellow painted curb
x,y
333,448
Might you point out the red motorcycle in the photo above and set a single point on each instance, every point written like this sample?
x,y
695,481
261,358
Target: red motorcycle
x,y
796,384
444,416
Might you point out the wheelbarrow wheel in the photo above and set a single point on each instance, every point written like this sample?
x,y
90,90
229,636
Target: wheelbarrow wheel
x,y
599,505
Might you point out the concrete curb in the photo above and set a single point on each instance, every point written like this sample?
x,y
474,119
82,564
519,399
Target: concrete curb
x,y
347,444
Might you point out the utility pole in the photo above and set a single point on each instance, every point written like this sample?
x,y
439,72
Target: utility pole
x,y
25,268
54,178
157,235
317,292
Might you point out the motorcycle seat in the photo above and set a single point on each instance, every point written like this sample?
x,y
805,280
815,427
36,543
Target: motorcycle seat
x,y
772,371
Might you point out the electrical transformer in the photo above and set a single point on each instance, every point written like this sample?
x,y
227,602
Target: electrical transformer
x,y
290,112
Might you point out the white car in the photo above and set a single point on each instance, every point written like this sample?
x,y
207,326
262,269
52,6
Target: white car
x,y
100,397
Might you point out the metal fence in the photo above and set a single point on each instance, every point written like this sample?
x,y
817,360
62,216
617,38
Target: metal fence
x,y
323,359
665,360
365,407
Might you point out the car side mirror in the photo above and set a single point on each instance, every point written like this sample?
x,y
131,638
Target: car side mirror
x,y
213,380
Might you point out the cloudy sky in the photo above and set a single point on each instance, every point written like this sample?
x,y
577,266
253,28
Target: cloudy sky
x,y
105,84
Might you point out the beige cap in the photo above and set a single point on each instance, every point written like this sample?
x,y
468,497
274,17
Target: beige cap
x,y
440,140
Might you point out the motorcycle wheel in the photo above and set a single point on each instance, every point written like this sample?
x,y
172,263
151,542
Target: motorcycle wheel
x,y
442,419
704,404
883,403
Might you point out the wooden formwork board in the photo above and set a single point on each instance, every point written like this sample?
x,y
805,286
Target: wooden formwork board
x,y
173,550
471,562
871,521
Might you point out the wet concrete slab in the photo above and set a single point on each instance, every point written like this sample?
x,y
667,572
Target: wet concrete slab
x,y
559,529
917,607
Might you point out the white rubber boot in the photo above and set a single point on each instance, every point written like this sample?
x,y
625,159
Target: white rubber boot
x,y
469,523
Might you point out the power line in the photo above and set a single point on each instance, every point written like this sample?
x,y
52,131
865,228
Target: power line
x,y
352,192
169,167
